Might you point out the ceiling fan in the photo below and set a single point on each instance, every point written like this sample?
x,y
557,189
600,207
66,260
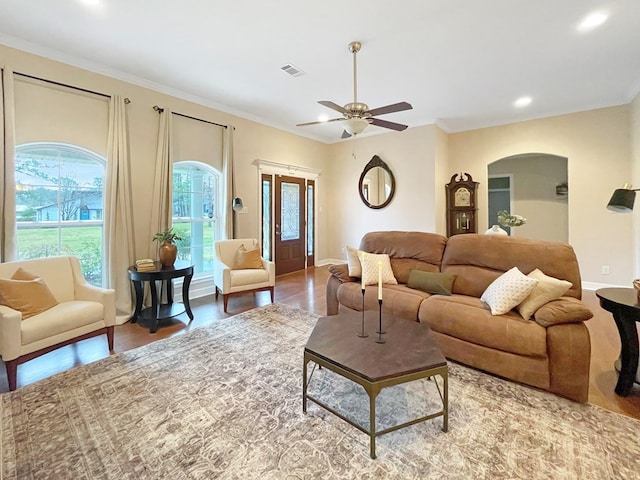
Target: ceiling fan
x,y
356,115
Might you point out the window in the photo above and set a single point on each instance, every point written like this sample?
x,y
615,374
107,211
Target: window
x,y
195,213
59,204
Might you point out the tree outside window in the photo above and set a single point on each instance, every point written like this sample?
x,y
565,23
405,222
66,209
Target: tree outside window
x,y
59,204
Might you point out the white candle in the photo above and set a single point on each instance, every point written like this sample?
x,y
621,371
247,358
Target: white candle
x,y
362,274
379,280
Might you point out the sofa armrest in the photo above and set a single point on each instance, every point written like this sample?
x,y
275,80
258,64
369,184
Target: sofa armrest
x,y
341,272
271,268
563,310
569,349
105,296
10,323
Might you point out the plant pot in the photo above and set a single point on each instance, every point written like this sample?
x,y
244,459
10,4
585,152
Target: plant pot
x,y
168,254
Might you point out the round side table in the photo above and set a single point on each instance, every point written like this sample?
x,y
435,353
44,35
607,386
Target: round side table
x,y
623,304
158,310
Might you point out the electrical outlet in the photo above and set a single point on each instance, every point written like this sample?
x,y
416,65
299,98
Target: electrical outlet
x,y
605,269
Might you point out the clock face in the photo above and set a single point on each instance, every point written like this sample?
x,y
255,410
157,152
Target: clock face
x,y
462,197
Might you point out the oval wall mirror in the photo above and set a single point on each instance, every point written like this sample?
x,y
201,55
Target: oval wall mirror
x,y
377,185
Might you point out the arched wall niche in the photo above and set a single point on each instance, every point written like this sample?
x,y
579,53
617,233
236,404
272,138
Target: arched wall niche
x,y
535,186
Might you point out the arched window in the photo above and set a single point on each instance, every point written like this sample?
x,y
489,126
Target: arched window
x,y
59,204
196,213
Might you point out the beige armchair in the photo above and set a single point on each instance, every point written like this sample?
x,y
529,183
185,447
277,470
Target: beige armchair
x,y
232,282
82,311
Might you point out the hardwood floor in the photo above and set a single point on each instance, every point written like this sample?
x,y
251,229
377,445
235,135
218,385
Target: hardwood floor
x,y
306,290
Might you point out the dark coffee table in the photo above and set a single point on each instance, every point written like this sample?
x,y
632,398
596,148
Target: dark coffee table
x,y
410,353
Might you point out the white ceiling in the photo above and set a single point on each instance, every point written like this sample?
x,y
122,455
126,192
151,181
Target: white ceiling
x,y
460,63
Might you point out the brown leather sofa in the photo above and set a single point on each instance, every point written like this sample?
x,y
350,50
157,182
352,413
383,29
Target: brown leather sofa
x,y
550,351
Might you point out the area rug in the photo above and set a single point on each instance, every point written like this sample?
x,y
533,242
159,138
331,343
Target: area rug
x,y
224,401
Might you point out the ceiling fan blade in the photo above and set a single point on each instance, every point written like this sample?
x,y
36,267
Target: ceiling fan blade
x,y
392,125
319,122
345,134
333,106
396,107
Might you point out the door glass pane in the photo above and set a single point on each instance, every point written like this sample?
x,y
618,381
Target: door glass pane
x,y
290,211
266,218
310,220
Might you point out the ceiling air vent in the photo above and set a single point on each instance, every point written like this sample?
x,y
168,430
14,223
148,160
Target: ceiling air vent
x,y
292,70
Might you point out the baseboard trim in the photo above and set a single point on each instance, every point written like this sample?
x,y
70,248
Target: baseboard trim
x,y
330,261
596,286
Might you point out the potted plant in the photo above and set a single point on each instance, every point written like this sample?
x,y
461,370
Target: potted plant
x,y
168,250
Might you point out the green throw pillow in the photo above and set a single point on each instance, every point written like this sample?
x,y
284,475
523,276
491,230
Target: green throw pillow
x,y
431,282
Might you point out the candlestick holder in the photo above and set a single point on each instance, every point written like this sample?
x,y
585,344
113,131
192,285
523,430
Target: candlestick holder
x,y
362,334
380,332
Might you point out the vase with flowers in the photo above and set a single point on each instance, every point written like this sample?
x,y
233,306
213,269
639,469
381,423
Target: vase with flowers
x,y
507,219
168,250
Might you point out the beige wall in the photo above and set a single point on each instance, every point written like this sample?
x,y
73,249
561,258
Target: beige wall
x,y
602,147
635,175
597,146
252,140
535,178
411,157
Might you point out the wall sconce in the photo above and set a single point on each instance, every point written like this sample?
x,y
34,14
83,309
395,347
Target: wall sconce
x,y
622,199
562,189
237,205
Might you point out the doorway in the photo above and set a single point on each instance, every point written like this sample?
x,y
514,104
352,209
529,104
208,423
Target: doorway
x,y
500,194
288,222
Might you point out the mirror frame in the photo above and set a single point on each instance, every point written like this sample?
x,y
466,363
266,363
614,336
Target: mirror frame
x,y
376,161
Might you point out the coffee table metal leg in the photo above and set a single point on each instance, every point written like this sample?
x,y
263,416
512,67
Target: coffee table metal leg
x,y
445,403
373,393
304,385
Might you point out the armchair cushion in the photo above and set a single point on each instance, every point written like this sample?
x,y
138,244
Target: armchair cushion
x,y
29,297
247,259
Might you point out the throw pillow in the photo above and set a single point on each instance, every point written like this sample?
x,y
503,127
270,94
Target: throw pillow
x,y
30,297
370,264
507,291
245,259
353,261
547,289
431,282
22,274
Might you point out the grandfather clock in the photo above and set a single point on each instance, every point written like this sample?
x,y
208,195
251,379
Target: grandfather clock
x,y
461,205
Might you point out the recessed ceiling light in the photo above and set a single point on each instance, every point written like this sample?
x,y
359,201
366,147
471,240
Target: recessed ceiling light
x,y
593,20
323,118
91,2
522,102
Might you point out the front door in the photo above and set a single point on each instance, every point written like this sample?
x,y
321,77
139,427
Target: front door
x,y
289,222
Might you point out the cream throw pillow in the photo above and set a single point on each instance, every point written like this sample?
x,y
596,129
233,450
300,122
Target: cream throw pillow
x,y
246,259
507,291
370,263
547,289
30,296
353,261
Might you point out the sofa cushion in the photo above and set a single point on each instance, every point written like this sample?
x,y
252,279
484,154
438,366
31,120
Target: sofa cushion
x,y
376,267
29,297
477,260
408,250
62,318
241,278
431,282
468,319
398,300
507,291
341,272
547,289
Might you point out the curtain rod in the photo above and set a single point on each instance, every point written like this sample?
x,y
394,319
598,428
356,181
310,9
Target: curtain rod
x,y
60,84
160,110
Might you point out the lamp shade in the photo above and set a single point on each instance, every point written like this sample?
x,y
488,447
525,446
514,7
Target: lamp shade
x,y
354,126
622,200
236,204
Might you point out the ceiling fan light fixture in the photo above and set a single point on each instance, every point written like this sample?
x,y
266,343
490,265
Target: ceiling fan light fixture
x,y
354,126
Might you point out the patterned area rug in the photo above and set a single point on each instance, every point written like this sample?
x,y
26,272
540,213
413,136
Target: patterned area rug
x,y
224,401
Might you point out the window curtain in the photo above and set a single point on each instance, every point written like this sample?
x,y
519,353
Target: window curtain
x,y
161,211
8,240
118,220
228,217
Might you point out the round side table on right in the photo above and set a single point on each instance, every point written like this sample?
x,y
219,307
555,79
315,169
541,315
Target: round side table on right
x,y
623,304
